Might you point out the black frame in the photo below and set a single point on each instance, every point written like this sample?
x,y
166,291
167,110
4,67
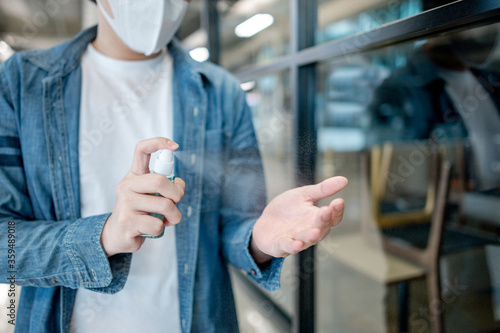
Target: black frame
x,y
301,63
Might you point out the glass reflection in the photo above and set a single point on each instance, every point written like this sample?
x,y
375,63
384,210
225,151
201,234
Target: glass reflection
x,y
447,90
253,31
389,119
341,18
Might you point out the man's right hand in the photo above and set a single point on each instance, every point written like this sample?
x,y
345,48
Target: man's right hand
x,y
130,217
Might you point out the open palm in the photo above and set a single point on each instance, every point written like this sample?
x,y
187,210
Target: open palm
x,y
292,223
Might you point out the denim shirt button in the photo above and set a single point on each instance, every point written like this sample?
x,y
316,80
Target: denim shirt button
x,y
189,211
195,111
183,323
193,158
253,272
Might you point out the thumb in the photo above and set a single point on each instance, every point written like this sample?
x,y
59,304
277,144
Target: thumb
x,y
324,189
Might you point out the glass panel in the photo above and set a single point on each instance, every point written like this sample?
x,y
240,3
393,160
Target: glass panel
x,y
273,121
388,120
341,18
269,100
263,37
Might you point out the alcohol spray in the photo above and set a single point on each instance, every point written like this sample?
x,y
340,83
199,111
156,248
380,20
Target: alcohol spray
x,y
164,165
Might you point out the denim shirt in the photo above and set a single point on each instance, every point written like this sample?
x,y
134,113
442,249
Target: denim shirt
x,y
57,251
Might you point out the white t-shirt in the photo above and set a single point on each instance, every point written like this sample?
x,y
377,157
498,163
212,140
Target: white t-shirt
x,y
123,102
482,120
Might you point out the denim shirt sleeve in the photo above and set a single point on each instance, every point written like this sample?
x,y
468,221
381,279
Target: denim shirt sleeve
x,y
45,253
244,198
59,253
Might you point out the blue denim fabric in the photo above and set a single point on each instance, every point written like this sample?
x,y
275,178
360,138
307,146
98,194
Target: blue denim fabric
x,y
57,251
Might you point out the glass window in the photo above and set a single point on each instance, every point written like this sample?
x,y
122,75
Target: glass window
x,y
388,120
269,100
253,31
341,18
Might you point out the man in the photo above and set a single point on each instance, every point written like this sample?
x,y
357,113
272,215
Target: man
x,y
447,92
71,116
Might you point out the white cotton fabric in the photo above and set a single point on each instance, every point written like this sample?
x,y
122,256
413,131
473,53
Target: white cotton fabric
x,y
123,102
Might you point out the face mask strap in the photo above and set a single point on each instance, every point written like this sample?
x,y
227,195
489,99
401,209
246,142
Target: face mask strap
x,y
104,12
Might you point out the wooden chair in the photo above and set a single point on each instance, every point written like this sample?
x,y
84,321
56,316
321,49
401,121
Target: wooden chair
x,y
419,234
380,165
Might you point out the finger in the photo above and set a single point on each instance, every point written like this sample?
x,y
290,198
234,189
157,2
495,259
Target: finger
x,y
149,225
155,183
167,223
324,189
143,151
180,184
312,236
323,217
288,246
158,205
338,207
171,214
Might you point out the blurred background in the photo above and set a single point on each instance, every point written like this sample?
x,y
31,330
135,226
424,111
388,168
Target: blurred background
x,y
402,98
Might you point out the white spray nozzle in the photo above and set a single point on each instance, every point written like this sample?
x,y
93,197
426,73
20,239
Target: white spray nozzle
x,y
164,164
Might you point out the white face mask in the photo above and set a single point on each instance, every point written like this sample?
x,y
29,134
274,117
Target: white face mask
x,y
145,26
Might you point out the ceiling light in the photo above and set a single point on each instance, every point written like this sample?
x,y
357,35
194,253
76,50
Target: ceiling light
x,y
5,51
246,86
253,25
199,54
248,7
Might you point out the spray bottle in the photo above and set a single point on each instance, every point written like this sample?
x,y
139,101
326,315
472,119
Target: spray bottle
x,y
164,165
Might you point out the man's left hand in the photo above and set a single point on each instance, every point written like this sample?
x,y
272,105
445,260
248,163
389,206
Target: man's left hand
x,y
292,223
